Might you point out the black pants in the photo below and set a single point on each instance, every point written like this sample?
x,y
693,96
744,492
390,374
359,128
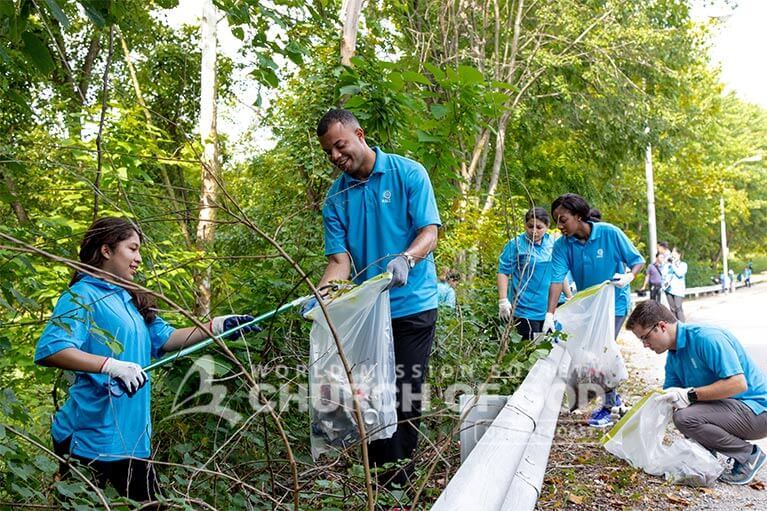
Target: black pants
x,y
527,327
132,478
655,292
413,337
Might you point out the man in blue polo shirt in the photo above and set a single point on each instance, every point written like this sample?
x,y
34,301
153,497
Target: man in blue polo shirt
x,y
717,390
381,215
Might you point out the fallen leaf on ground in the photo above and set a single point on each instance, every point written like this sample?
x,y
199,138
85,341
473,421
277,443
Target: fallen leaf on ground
x,y
757,485
676,500
575,499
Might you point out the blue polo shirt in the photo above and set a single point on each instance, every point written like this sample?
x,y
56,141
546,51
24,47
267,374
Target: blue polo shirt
x,y
705,354
607,251
529,265
90,316
377,219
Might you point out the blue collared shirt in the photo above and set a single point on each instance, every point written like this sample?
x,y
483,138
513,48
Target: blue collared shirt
x,y
446,294
94,316
529,265
705,354
607,251
377,219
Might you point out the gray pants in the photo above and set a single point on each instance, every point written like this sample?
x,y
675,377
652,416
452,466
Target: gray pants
x,y
723,426
675,304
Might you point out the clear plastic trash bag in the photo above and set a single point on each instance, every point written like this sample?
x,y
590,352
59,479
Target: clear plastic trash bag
x,y
638,439
362,319
597,364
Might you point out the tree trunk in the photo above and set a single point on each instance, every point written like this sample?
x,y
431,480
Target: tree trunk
x,y
500,144
210,164
18,208
349,35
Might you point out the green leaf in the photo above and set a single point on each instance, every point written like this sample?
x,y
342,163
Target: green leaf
x,y
425,137
470,75
349,90
439,111
97,11
57,13
37,52
114,345
412,76
434,70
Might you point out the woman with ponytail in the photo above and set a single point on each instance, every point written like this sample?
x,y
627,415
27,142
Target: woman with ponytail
x,y
105,331
593,252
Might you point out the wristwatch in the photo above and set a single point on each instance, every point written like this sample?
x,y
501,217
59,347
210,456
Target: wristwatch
x,y
692,396
410,260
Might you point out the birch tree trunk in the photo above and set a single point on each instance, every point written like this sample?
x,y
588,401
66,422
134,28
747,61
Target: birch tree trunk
x,y
210,162
349,35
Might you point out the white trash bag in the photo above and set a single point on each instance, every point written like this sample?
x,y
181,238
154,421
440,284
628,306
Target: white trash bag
x,y
588,321
638,439
362,319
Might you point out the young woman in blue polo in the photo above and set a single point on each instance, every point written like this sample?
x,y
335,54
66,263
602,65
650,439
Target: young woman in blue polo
x,y
105,332
526,263
593,252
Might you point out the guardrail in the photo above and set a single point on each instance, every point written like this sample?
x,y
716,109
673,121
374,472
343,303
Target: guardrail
x,y
697,292
506,467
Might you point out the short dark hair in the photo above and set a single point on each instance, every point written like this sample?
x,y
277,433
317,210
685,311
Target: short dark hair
x,y
573,203
333,116
663,244
648,314
595,215
539,214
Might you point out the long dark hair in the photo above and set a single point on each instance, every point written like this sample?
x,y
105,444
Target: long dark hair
x,y
573,203
110,231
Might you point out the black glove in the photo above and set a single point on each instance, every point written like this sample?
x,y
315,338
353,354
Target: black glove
x,y
221,324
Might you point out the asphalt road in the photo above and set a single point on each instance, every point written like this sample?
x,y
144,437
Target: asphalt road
x,y
743,312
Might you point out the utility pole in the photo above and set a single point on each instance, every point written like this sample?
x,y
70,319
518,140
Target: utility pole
x,y
724,240
651,225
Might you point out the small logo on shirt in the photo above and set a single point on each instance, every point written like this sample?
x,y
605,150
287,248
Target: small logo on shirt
x,y
386,197
600,253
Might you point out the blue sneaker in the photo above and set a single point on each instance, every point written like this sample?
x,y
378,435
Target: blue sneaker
x,y
744,473
601,418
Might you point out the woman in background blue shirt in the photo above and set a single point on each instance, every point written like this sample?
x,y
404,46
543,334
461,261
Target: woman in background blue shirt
x,y
527,260
105,331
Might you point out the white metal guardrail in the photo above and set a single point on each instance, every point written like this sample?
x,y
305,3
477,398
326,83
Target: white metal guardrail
x,y
505,469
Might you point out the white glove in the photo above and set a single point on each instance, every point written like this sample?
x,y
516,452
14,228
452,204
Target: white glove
x,y
548,323
131,376
622,279
677,396
504,309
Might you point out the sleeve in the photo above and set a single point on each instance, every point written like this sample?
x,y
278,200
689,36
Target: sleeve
x,y
507,256
159,333
335,231
68,327
559,264
627,250
422,206
716,350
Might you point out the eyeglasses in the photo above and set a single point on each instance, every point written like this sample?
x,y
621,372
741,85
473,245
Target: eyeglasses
x,y
645,336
